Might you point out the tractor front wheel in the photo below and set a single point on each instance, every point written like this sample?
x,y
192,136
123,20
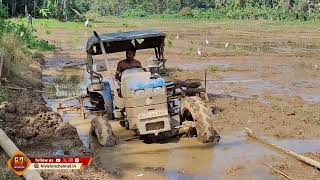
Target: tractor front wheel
x,y
102,129
193,109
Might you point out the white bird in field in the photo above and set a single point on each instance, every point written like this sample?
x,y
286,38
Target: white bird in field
x,y
177,37
226,45
86,23
316,67
199,52
207,42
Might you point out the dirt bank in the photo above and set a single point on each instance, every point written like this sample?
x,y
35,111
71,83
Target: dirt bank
x,y
38,131
279,117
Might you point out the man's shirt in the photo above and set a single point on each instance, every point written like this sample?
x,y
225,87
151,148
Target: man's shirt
x,y
125,64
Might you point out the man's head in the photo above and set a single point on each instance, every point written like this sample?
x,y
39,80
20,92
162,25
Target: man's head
x,y
130,53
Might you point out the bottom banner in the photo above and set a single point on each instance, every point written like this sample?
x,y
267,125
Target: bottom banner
x,y
55,166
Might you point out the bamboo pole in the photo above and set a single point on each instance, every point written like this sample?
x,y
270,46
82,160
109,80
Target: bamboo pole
x,y
23,89
10,148
278,171
281,149
1,64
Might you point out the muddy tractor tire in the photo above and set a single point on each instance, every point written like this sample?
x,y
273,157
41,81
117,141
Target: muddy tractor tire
x,y
102,129
194,109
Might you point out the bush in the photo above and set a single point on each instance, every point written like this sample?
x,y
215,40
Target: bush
x,y
3,11
186,11
213,68
134,13
14,55
24,34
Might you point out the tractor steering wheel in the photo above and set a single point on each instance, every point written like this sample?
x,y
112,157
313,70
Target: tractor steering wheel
x,y
132,67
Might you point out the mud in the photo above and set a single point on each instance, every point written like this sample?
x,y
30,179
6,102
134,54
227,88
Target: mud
x,y
294,168
289,117
264,79
38,131
186,158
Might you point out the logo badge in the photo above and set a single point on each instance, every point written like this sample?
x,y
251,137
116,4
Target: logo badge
x,y
19,163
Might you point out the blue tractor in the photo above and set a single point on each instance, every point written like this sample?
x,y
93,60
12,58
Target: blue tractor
x,y
143,101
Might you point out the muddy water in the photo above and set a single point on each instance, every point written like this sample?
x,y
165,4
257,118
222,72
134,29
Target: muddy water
x,y
188,159
234,157
253,79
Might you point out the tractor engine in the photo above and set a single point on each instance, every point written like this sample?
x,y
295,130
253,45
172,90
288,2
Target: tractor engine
x,y
145,102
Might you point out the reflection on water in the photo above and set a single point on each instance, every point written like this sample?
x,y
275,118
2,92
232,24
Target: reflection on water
x,y
189,159
248,87
271,47
69,82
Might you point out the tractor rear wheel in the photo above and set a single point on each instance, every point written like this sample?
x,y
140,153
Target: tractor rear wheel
x,y
193,109
102,129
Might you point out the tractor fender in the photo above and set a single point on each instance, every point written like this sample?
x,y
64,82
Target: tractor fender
x,y
104,89
106,93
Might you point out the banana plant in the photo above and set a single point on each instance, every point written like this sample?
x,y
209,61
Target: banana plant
x,y
44,12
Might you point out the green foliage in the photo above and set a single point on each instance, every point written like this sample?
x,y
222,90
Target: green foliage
x,y
206,9
3,11
213,68
4,94
25,35
134,13
169,43
47,23
44,12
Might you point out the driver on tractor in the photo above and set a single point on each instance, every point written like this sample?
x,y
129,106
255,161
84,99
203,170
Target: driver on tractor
x,y
129,62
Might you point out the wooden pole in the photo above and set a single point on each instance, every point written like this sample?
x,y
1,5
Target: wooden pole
x,y
10,148
1,64
205,80
281,149
278,171
23,89
82,108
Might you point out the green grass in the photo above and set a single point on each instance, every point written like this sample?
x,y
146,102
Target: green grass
x,y
152,22
48,23
213,68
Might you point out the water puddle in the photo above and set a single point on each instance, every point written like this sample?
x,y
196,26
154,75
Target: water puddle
x,y
241,85
203,64
188,159
65,83
271,47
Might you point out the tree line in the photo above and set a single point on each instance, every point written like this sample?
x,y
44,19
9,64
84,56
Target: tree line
x,y
234,9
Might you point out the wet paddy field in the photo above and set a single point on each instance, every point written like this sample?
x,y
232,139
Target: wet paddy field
x,y
266,85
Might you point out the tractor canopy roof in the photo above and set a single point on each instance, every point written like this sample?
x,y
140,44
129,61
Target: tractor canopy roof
x,y
122,41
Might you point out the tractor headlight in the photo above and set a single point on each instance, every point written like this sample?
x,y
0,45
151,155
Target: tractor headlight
x,y
139,93
158,90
